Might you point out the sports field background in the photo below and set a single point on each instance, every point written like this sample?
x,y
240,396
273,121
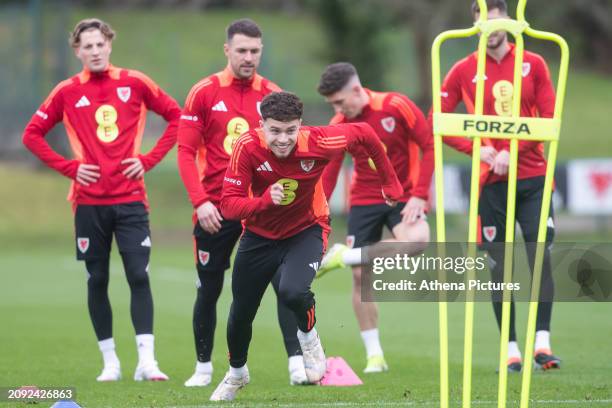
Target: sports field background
x,y
46,337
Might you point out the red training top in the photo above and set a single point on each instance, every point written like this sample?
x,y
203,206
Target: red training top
x,y
537,100
254,168
104,115
402,129
217,111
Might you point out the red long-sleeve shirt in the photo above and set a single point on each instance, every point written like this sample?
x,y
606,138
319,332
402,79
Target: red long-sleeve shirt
x,y
254,168
104,115
217,111
403,129
537,100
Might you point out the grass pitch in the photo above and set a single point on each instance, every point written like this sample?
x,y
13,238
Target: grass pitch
x,y
47,339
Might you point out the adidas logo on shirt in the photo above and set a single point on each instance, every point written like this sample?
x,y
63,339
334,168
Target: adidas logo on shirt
x,y
146,242
82,102
220,107
264,167
314,265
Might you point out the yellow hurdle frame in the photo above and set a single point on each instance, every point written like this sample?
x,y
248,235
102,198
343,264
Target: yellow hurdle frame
x,y
452,125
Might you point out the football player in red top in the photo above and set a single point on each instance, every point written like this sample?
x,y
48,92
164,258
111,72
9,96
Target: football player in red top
x,y
217,111
403,130
537,100
274,184
103,109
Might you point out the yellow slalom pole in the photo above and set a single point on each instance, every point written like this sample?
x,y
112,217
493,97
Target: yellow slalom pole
x,y
544,213
510,215
473,212
440,216
446,124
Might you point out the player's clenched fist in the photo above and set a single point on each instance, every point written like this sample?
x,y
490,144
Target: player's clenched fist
x,y
277,193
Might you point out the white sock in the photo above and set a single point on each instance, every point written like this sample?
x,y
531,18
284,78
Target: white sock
x,y
371,342
307,337
296,363
513,350
352,257
204,368
542,340
107,347
238,372
145,345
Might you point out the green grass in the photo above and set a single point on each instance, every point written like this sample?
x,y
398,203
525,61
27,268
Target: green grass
x,y
47,339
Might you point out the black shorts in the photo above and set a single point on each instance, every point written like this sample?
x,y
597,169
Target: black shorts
x,y
95,225
298,255
492,211
213,251
366,222
296,259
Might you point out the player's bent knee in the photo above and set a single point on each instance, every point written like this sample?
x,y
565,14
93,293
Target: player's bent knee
x,y
417,233
294,298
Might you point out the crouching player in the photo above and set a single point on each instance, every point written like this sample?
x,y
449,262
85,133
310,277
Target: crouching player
x,y
273,183
403,130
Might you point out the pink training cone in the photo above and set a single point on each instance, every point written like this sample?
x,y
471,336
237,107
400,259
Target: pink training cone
x,y
339,374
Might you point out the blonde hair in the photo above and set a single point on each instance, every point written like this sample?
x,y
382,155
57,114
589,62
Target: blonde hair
x,y
88,24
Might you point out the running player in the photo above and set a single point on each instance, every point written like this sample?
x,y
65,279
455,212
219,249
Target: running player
x,y
402,128
274,184
217,111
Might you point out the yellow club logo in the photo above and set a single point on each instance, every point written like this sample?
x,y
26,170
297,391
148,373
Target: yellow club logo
x,y
106,118
235,127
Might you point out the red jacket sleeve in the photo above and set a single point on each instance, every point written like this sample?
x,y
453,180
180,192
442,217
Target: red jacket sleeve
x,y
332,170
235,201
420,132
164,105
330,175
333,139
190,133
451,94
46,117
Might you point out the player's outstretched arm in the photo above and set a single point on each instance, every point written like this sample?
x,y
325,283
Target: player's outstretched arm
x,y
330,175
362,134
420,134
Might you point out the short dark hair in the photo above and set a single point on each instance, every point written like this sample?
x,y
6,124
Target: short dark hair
x,y
88,24
491,4
335,77
244,26
281,106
